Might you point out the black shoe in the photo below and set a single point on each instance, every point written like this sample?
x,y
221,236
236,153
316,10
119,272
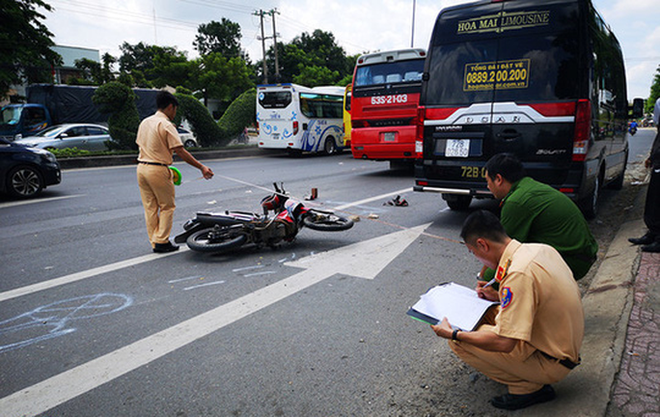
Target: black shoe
x,y
647,239
165,247
653,247
516,402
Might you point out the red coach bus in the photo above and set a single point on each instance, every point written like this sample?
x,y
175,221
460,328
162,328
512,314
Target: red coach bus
x,y
386,87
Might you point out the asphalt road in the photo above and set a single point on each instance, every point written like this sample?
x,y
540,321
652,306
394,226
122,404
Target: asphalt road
x,y
93,323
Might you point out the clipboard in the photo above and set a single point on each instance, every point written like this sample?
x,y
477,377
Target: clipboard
x,y
461,305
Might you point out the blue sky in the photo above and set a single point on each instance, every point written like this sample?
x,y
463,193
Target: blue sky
x,y
358,26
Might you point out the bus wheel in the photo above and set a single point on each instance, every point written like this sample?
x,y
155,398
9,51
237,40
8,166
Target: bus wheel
x,y
330,147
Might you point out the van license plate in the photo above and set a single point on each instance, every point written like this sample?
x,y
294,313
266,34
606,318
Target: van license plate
x,y
458,148
276,136
389,136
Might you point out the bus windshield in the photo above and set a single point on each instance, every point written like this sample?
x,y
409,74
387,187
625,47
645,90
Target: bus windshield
x,y
400,72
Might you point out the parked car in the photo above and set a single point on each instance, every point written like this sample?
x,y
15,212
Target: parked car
x,y
187,137
25,172
89,137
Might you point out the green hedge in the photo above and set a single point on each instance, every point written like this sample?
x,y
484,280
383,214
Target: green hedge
x,y
201,123
240,113
119,100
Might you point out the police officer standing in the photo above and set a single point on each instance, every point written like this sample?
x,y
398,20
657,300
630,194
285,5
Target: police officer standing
x,y
651,240
157,139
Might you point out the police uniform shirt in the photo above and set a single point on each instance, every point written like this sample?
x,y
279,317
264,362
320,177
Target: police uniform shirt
x,y
540,302
156,138
533,212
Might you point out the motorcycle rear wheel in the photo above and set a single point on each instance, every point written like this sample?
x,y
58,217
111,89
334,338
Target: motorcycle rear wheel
x,y
200,241
326,221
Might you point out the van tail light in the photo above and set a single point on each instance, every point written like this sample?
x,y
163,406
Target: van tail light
x,y
359,124
419,132
582,132
295,127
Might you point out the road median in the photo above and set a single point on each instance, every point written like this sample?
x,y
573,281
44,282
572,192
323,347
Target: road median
x,y
114,160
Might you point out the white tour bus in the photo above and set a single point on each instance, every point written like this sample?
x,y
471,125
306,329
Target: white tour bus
x,y
300,119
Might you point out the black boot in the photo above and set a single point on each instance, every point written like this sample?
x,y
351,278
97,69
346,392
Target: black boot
x,y
165,247
653,247
516,402
647,239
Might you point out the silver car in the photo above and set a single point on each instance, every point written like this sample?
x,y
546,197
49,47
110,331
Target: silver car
x,y
88,137
187,137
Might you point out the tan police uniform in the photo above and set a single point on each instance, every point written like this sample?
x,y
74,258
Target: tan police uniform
x,y
541,306
156,138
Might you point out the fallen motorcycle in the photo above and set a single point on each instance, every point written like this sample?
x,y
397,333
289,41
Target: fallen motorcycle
x,y
220,232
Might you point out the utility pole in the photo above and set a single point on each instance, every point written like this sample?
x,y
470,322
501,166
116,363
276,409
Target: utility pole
x,y
412,36
277,65
260,13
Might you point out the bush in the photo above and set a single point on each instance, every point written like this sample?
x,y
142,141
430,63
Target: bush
x,y
240,113
201,123
119,100
69,152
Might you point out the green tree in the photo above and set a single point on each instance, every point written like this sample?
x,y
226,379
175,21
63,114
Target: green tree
x,y
222,78
25,44
220,37
303,58
94,73
655,92
152,65
313,76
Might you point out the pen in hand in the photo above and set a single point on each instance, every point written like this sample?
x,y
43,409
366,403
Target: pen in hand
x,y
489,283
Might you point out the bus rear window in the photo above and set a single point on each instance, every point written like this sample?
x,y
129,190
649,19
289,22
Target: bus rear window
x,y
275,99
390,73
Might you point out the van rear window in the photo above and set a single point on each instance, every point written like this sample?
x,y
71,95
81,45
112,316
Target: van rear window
x,y
541,68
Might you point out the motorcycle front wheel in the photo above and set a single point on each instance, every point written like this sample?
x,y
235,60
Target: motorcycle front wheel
x,y
326,221
210,240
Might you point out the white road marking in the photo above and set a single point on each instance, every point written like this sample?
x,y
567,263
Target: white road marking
x,y
37,200
67,279
206,284
365,259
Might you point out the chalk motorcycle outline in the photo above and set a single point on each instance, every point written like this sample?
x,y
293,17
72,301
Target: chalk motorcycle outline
x,y
220,232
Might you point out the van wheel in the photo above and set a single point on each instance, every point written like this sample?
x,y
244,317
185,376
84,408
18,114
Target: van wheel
x,y
617,184
330,147
589,204
458,202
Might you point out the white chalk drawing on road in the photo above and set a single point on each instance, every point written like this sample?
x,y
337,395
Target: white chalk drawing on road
x,y
54,320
